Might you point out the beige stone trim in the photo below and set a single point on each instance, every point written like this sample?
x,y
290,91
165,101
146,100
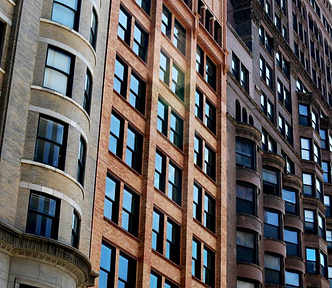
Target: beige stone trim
x,y
31,162
31,282
2,71
12,2
60,117
50,191
5,18
55,93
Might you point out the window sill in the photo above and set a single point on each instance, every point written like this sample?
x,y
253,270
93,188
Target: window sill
x,y
167,260
170,91
121,229
202,171
170,200
169,141
176,48
200,281
132,51
214,91
207,129
206,229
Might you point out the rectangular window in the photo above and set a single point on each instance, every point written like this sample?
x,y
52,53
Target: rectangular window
x,y
155,280
326,169
272,269
58,73
173,242
87,92
66,12
314,123
51,142
292,280
244,284
244,82
290,198
323,138
111,206
327,204
176,132
316,154
124,25
245,247
130,211
291,239
120,77
81,161
179,39
137,92
43,216
305,149
245,153
271,224
175,183
311,261
210,162
309,221
196,259
178,82
209,212
210,73
321,226
145,5
307,184
329,240
164,68
208,267
157,231
141,42
134,149
236,67
271,182
75,230
116,134
127,271
107,265
198,151
160,174
319,193
245,199
197,202
210,116
200,60
166,20
199,104
162,117
323,264
93,29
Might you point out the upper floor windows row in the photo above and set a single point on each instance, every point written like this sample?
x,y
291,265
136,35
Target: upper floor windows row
x,y
240,73
206,68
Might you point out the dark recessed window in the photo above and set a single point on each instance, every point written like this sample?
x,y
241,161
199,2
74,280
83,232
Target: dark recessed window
x,y
173,242
155,280
272,269
179,39
162,117
200,60
323,139
329,240
75,230
197,202
141,42
198,151
321,226
199,104
327,204
43,216
303,115
244,80
271,224
176,131
81,161
291,239
196,259
323,264
169,284
157,231
210,162
290,198
66,12
127,271
145,5
246,247
175,183
93,29
209,212
116,134
58,74
107,266
208,267
160,174
178,82
245,153
87,92
311,264
236,67
210,116
245,199
2,37
166,22
124,25
307,184
134,149
137,93
130,211
271,182
51,142
211,73
120,77
309,221
164,68
111,205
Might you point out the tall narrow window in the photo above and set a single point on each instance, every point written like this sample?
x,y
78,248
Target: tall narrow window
x,y
290,198
210,116
210,162
291,239
176,133
309,221
209,212
179,39
327,204
321,226
58,72
197,202
196,259
159,174
124,25
173,242
200,60
323,138
93,29
120,77
245,199
141,41
130,211
198,151
134,149
157,231
208,267
107,266
303,115
236,67
166,19
272,269
307,184
164,68
311,261
155,280
178,82
271,224
51,142
175,183
211,73
75,228
245,247
81,161
43,216
116,134
323,264
137,93
127,271
319,193
244,153
162,117
66,12
111,205
87,92
271,182
305,149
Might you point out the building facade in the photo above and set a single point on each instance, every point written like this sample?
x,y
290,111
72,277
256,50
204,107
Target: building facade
x,y
161,182
279,111
51,79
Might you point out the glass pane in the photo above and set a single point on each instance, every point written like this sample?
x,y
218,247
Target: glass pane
x,y
55,80
58,60
63,15
51,130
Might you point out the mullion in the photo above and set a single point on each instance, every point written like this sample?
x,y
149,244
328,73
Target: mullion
x,y
50,141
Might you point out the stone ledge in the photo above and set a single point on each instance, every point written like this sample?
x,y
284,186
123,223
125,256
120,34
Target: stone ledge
x,y
19,244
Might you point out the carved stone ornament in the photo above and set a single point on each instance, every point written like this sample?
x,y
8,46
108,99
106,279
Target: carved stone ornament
x,y
273,160
249,132
293,181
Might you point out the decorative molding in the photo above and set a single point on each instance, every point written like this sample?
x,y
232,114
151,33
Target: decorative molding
x,y
293,181
248,131
273,160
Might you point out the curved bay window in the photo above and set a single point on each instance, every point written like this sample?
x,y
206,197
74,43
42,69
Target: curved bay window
x,y
245,153
66,12
272,269
246,247
245,199
271,182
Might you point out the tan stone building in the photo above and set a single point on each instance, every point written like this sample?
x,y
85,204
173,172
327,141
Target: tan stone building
x,y
161,179
51,75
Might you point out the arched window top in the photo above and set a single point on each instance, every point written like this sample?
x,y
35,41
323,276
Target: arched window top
x,y
251,120
238,110
244,115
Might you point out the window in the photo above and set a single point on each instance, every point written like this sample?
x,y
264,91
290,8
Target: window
x,y
284,96
271,182
111,206
292,280
176,133
198,151
266,73
175,183
285,129
236,67
66,12
160,174
267,107
208,267
305,149
75,229
200,60
137,92
157,231
245,247
130,211
277,22
307,184
124,25
272,269
164,68
141,41
210,162
51,142
243,284
58,74
317,158
107,266
329,240
210,75
271,224
311,265
155,280
289,165
166,20
265,39
245,153
245,199
321,226
323,264
127,271
327,203
120,77
314,123
2,37
199,104
173,242
323,138
43,216
319,193
197,202
81,161
93,29
169,284
210,116
209,212
291,239
162,117
145,5
309,221
178,82
326,169
196,259
244,78
290,198
134,149
268,143
116,134
87,92
179,39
